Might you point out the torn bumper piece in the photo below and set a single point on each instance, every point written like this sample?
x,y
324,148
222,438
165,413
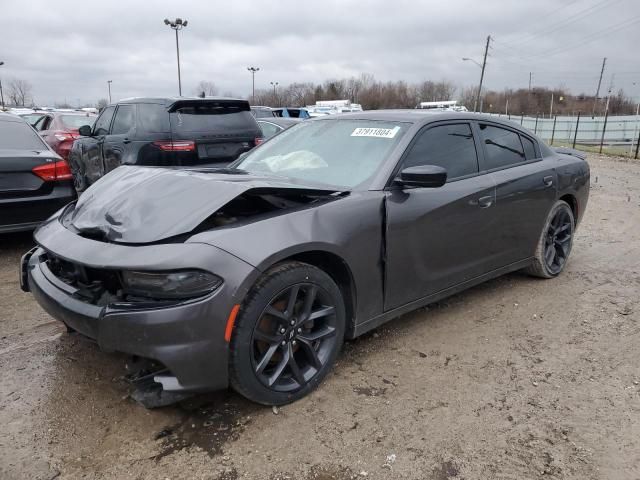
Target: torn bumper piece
x,y
187,336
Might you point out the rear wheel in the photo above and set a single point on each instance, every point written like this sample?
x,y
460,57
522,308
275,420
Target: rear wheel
x,y
287,335
554,245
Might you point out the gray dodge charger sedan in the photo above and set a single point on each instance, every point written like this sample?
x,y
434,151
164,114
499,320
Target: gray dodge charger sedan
x,y
254,275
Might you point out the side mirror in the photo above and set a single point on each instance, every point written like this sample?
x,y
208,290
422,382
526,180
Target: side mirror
x,y
85,130
426,176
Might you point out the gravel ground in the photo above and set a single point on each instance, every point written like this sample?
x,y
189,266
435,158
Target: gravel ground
x,y
517,378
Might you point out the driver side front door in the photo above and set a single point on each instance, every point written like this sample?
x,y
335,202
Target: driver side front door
x,y
437,238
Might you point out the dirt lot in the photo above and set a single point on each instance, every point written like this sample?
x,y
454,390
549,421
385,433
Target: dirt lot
x,y
518,378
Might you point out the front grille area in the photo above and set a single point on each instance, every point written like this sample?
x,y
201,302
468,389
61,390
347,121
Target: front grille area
x,y
95,286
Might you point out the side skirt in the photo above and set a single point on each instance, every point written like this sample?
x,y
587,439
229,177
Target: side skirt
x,y
396,312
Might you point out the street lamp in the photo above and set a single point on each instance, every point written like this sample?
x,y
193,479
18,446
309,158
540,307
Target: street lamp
x,y
253,71
109,86
177,24
1,94
475,103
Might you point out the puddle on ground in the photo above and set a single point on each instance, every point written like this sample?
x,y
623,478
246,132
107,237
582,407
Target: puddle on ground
x,y
208,422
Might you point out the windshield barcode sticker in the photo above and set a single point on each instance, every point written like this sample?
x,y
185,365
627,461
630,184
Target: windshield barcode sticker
x,y
376,132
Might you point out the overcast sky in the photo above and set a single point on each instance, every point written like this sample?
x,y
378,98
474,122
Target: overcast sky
x,y
69,49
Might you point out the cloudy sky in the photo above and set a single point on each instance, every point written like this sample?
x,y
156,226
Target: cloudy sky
x,y
69,49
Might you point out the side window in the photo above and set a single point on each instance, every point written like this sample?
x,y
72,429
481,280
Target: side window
x,y
268,129
448,146
153,118
125,119
529,148
40,124
101,127
503,147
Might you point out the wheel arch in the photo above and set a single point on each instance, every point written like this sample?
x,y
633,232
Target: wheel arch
x,y
573,203
337,268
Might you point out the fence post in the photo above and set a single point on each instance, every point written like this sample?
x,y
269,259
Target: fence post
x,y
575,135
553,130
535,129
604,128
509,116
521,118
637,145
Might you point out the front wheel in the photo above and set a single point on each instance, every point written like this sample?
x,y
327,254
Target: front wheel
x,y
554,245
287,335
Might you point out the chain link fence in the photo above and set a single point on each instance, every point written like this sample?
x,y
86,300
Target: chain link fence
x,y
614,135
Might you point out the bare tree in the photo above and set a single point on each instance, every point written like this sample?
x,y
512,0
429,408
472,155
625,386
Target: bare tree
x,y
206,89
102,103
20,92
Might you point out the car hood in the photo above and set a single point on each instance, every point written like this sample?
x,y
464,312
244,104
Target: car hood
x,y
145,205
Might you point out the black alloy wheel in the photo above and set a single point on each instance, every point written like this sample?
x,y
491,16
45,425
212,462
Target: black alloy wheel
x,y
558,241
288,333
554,244
294,337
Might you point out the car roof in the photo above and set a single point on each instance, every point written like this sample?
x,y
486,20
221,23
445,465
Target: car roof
x,y
9,117
417,116
171,100
281,121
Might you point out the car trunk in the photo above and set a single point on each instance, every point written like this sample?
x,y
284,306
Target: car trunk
x,y
17,177
214,132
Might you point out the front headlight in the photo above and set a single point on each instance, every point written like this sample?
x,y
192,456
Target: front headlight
x,y
181,284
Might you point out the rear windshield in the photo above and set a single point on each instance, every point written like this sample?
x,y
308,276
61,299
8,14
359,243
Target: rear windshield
x,y
76,121
19,136
203,118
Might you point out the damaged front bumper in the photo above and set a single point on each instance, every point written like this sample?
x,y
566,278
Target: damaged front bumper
x,y
185,336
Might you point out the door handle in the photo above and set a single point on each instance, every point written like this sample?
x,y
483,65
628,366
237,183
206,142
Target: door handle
x,y
126,140
485,202
548,180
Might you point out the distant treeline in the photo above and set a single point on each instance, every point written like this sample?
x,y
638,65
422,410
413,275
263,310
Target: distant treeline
x,y
374,94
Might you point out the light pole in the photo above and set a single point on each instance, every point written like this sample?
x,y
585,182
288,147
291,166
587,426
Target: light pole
x,y
253,71
274,85
109,86
1,94
177,24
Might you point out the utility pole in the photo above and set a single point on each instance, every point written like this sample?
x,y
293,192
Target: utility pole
x,y
530,77
551,109
253,71
484,64
1,94
275,85
109,85
595,100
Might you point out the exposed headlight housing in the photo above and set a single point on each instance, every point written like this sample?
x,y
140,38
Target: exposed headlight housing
x,y
170,285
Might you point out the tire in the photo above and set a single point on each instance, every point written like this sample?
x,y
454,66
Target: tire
x,y
274,361
555,242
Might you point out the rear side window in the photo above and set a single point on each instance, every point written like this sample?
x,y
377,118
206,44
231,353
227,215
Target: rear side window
x,y
503,147
212,118
101,126
529,148
448,146
77,121
268,129
153,118
125,119
19,136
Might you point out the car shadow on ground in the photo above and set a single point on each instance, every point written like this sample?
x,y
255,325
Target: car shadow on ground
x,y
209,421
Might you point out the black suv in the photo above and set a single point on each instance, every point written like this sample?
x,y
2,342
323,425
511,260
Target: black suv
x,y
163,132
